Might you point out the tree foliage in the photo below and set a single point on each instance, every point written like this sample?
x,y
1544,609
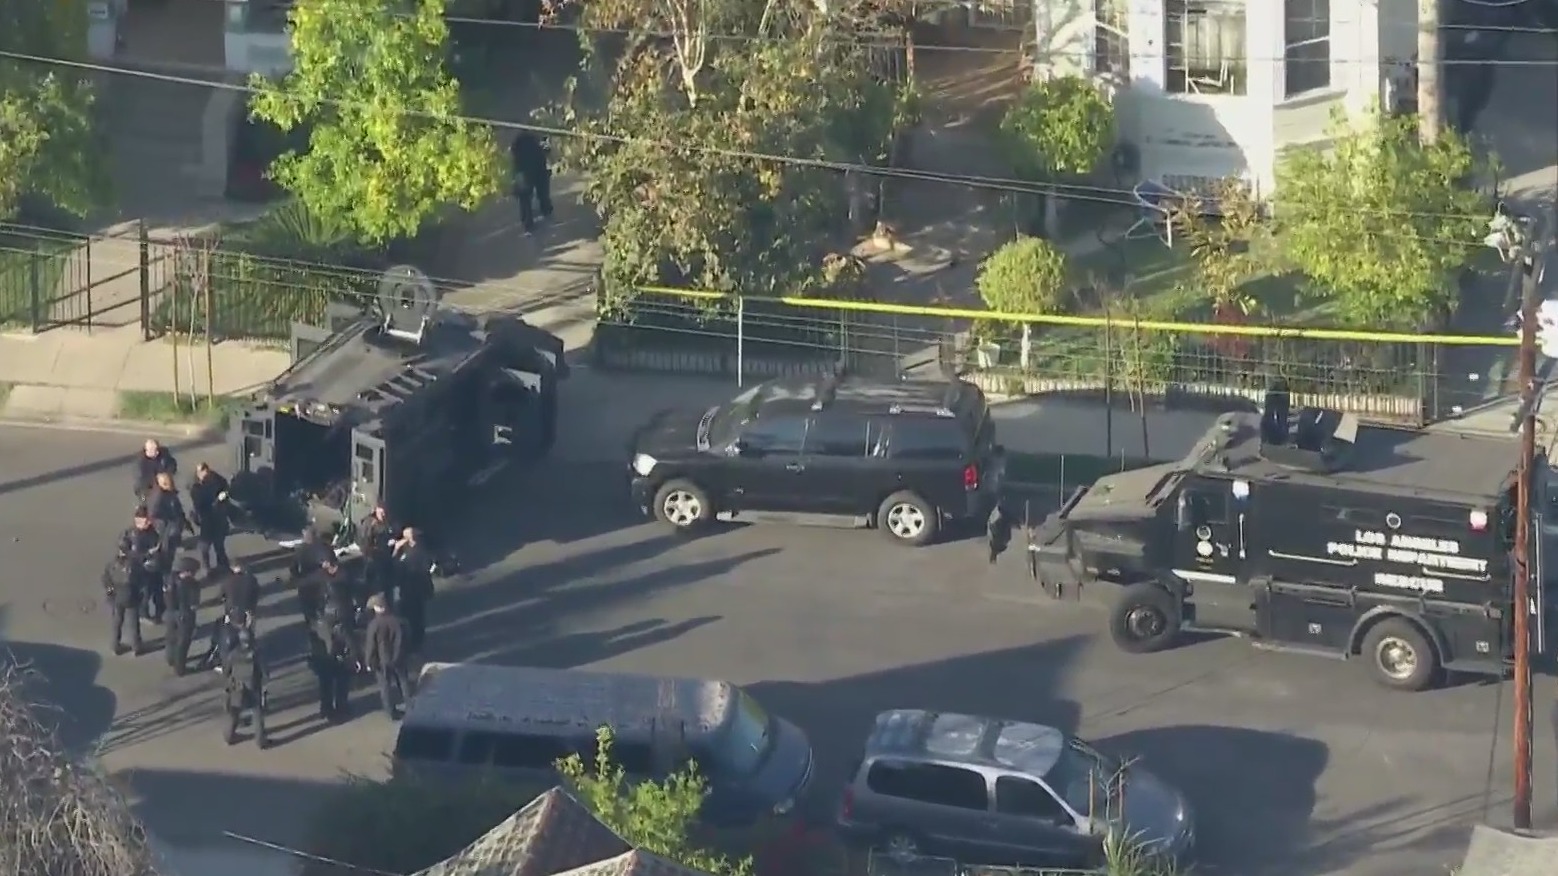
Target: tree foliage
x,y
1380,221
1026,275
48,141
1059,126
657,817
673,121
58,815
1221,231
388,147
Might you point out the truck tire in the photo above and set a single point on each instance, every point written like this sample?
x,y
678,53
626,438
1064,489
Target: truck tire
x,y
907,519
1146,619
1400,656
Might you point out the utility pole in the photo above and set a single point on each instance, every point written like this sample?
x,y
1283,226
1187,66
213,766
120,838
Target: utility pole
x,y
1512,237
1430,115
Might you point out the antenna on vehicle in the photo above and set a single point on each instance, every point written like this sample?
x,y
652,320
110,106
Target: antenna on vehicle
x,y
408,303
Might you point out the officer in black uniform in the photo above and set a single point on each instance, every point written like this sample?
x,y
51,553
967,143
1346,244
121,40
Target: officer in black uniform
x,y
532,179
168,517
414,573
307,560
183,601
119,584
384,653
333,660
246,678
154,460
375,536
141,545
240,589
212,516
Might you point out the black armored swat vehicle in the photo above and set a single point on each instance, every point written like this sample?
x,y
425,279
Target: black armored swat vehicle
x,y
404,404
1308,531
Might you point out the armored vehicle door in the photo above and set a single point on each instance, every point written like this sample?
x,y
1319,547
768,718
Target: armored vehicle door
x,y
252,439
1209,549
368,470
509,404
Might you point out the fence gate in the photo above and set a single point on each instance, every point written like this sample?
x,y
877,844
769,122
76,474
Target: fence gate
x,y
53,279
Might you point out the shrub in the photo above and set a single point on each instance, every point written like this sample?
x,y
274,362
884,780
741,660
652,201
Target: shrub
x,y
1027,275
1060,126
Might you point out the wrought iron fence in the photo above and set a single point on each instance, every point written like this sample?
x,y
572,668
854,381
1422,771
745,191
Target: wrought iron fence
x,y
881,864
1392,380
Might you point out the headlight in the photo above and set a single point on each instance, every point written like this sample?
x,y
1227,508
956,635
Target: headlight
x,y
643,464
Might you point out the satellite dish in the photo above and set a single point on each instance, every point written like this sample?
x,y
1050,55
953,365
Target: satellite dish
x,y
407,301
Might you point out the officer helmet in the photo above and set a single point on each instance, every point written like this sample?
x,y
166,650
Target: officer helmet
x,y
187,566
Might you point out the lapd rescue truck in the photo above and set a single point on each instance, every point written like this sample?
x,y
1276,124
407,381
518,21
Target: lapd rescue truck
x,y
1311,533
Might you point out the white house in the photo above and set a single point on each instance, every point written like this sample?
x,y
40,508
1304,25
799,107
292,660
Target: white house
x,y
1211,89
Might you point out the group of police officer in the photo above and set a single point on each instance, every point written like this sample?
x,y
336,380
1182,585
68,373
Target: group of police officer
x,y
352,624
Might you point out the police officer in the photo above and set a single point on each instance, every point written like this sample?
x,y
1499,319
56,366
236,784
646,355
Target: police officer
x,y
240,594
212,516
141,545
308,558
333,660
120,585
532,179
375,536
166,509
182,603
414,573
246,678
154,460
385,655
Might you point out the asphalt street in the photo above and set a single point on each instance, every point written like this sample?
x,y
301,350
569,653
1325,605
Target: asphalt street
x,y
1295,765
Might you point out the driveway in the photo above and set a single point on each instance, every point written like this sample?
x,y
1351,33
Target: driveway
x,y
1297,766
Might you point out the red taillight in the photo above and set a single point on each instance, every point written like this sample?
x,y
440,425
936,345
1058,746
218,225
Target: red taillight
x,y
971,477
847,804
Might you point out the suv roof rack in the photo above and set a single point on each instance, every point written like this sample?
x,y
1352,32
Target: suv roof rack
x,y
933,410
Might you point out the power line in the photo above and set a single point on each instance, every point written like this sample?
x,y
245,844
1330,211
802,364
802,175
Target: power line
x,y
1071,191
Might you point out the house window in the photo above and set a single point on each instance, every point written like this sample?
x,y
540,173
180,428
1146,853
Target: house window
x,y
1111,40
1306,56
1205,46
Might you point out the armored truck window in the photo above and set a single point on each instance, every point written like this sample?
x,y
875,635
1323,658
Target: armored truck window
x,y
1207,506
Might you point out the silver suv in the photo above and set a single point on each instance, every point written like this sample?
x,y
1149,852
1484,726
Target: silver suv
x,y
996,792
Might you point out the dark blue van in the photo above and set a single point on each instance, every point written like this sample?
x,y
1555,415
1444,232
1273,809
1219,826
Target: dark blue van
x,y
468,720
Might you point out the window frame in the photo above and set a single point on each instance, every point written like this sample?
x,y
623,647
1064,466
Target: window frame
x,y
757,425
1232,72
902,426
1112,40
825,419
1306,26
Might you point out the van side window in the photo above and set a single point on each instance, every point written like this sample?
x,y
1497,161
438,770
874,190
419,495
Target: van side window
x,y
424,743
636,759
929,783
518,751
1028,799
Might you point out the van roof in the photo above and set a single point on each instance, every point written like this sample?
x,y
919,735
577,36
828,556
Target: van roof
x,y
482,696
971,739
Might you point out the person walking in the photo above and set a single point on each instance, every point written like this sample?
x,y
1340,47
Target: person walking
x,y
532,180
385,654
374,537
124,599
415,575
212,516
166,509
183,601
333,660
244,695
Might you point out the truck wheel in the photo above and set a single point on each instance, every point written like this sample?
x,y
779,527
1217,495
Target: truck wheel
x,y
683,506
1145,619
1400,656
907,519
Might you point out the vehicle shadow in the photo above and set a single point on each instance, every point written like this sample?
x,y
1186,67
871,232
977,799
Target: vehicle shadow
x,y
1253,792
1016,683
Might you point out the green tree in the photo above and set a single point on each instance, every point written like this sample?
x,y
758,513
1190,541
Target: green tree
x,y
667,153
657,817
48,141
388,147
1026,275
1381,222
1059,128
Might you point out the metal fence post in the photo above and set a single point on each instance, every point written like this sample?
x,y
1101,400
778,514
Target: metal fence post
x,y
741,339
34,288
144,264
89,285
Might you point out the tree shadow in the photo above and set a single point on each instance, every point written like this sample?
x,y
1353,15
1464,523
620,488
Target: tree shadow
x,y
61,682
1016,683
504,621
1252,791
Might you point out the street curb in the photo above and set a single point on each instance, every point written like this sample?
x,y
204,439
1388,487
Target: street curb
x,y
187,431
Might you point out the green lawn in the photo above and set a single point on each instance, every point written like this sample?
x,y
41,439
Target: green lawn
x,y
167,407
